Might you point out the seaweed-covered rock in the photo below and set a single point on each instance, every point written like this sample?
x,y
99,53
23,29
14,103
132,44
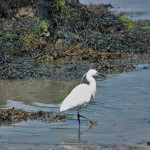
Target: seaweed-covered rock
x,y
14,115
40,39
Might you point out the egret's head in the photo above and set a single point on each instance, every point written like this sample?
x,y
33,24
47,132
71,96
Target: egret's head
x,y
92,72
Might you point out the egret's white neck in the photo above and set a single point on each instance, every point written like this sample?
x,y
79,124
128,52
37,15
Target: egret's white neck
x,y
92,84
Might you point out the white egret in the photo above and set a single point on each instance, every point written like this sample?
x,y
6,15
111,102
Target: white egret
x,y
81,95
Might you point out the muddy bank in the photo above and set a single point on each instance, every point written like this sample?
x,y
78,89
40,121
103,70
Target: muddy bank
x,y
14,115
62,39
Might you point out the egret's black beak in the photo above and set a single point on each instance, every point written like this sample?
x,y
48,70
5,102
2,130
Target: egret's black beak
x,y
100,74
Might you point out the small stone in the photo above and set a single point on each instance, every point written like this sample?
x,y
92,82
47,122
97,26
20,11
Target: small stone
x,y
25,11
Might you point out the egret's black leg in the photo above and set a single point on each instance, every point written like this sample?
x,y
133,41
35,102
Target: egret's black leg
x,y
92,122
78,115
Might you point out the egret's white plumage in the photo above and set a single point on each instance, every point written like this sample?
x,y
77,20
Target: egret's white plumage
x,y
81,94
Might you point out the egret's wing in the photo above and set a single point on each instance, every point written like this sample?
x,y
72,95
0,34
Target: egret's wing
x,y
78,96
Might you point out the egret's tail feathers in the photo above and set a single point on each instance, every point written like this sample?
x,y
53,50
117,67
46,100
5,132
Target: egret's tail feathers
x,y
62,108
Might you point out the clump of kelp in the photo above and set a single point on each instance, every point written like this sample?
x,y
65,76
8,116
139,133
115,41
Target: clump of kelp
x,y
40,39
14,115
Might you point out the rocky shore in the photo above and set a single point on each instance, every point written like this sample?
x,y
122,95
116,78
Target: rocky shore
x,y
45,39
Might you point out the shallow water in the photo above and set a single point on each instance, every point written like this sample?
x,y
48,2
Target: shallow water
x,y
133,9
121,109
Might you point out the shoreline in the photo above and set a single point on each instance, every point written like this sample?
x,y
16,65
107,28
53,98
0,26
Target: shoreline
x,y
134,10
